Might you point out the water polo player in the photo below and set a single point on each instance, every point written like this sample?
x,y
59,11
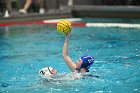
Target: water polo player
x,y
82,65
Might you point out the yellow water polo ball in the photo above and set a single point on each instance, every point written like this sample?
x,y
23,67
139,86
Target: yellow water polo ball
x,y
64,26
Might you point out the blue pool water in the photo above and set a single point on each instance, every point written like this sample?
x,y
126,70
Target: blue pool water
x,y
24,50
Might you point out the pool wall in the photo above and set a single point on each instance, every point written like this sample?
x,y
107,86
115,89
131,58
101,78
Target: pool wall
x,y
106,11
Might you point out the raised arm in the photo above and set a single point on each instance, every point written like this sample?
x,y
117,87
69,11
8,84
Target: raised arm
x,y
67,59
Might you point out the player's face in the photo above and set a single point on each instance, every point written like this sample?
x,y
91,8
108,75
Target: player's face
x,y
53,71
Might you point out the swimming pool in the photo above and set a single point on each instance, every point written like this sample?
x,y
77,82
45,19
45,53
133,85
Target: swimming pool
x,y
25,49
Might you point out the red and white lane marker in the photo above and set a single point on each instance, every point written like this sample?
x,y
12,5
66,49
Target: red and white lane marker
x,y
75,22
120,25
57,20
72,20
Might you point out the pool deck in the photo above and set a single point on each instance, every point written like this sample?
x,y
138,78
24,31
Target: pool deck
x,y
76,11
55,14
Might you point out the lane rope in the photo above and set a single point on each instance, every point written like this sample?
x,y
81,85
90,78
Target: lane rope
x,y
121,25
75,22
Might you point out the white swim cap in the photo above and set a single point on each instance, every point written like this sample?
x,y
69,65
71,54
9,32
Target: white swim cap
x,y
46,72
